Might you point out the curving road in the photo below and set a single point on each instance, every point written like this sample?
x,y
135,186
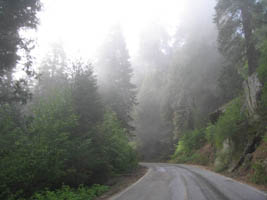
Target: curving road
x,y
182,182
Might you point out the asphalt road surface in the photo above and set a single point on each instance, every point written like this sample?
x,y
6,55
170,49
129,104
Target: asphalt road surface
x,y
182,182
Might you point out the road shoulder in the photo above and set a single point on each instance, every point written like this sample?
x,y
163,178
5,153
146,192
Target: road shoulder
x,y
120,183
242,179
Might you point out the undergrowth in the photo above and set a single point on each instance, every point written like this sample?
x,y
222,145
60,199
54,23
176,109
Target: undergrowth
x,y
259,175
67,193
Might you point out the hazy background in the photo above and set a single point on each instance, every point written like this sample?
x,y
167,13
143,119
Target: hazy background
x,y
83,25
170,44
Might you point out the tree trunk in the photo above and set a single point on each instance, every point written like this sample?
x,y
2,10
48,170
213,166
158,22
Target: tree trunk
x,y
251,52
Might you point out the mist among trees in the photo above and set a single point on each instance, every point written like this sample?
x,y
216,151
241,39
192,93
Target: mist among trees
x,y
69,123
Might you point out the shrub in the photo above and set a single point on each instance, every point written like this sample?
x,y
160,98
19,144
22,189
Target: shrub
x,y
210,133
222,161
118,152
230,123
37,153
66,193
199,159
190,142
259,173
265,137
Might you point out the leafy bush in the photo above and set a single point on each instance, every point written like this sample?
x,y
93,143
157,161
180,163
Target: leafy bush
x,y
229,124
118,152
181,158
64,139
67,193
11,136
37,152
210,133
223,159
191,141
259,173
195,158
199,159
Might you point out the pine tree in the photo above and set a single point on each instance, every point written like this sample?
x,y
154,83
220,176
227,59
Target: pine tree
x,y
115,73
53,71
236,24
86,99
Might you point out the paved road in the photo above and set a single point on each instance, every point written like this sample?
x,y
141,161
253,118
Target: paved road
x,y
182,182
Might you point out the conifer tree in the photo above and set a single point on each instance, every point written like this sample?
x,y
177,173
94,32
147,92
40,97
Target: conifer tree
x,y
15,15
236,23
115,73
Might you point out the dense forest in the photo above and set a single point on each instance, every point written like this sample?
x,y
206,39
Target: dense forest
x,y
197,95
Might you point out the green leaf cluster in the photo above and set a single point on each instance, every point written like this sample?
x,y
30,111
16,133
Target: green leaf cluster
x,y
190,142
67,193
62,140
229,124
259,173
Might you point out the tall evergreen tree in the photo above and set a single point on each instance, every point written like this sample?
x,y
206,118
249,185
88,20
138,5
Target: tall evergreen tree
x,y
115,73
86,99
151,66
53,71
236,23
15,15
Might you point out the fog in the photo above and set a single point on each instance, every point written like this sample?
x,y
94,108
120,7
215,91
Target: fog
x,y
95,92
83,25
156,62
177,78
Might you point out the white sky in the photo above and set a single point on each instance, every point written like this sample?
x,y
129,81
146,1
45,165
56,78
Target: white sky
x,y
81,25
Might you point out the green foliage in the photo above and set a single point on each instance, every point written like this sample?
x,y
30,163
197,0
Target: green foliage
x,y
85,96
235,34
115,76
265,137
190,142
199,159
195,158
49,131
210,133
10,128
181,158
262,73
262,69
259,173
118,151
67,193
244,71
36,154
230,123
15,16
263,105
222,161
228,128
230,81
49,150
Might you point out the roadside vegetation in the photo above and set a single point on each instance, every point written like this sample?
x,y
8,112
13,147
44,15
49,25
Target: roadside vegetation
x,y
61,140
62,136
228,138
193,92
